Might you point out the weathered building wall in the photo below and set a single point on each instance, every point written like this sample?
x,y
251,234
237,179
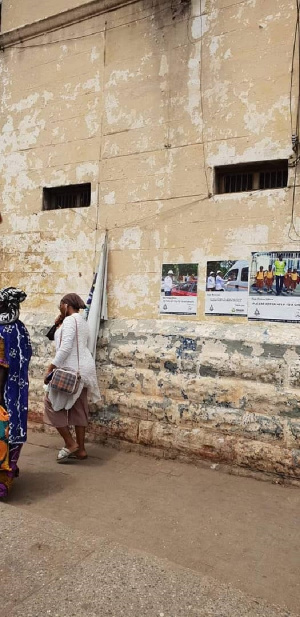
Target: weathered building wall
x,y
143,103
17,14
206,391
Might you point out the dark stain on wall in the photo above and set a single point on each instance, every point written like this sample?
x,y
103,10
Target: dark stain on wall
x,y
180,8
186,344
171,366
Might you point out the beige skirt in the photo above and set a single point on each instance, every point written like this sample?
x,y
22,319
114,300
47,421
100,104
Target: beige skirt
x,y
76,416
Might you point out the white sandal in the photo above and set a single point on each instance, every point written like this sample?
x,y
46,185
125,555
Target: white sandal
x,y
64,454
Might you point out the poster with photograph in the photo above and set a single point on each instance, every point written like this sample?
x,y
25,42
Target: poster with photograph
x,y
178,289
274,287
226,287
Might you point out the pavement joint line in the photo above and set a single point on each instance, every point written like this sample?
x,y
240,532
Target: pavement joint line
x,y
98,544
206,582
113,463
96,540
41,587
54,578
99,540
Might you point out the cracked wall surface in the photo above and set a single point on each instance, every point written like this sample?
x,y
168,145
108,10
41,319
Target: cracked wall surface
x,y
144,101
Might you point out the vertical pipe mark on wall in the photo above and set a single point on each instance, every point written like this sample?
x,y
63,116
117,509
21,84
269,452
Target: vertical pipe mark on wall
x,y
100,147
201,100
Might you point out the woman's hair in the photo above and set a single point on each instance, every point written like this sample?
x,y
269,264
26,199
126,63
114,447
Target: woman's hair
x,y
73,300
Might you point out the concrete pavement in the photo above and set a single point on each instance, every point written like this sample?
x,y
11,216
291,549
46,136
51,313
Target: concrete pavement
x,y
121,534
51,570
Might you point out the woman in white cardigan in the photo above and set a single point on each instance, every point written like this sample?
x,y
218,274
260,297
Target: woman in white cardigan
x,y
63,410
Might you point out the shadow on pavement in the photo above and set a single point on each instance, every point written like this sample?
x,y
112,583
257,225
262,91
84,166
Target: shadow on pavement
x,y
33,486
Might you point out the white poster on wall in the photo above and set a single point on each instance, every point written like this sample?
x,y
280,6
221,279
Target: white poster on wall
x,y
274,287
179,289
227,287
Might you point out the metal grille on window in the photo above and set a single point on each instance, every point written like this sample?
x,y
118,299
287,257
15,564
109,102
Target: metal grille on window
x,y
71,196
273,179
235,183
255,176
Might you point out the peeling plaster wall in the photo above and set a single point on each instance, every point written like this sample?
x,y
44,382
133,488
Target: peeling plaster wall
x,y
143,103
50,136
17,13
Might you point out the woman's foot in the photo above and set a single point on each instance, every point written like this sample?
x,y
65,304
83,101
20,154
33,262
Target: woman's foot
x,y
74,447
65,453
81,455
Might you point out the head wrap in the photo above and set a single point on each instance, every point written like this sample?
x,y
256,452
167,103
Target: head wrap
x,y
73,300
10,298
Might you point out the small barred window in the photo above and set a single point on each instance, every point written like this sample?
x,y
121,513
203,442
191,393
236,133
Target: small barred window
x,y
71,196
251,176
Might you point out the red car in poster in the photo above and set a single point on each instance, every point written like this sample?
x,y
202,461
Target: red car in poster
x,y
185,289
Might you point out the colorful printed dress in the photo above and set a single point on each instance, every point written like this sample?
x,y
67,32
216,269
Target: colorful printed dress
x,y
15,354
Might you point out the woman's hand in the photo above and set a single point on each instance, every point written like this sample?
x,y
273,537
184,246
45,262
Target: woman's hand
x,y
50,368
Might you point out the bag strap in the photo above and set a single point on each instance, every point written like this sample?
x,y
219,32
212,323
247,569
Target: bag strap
x,y
76,341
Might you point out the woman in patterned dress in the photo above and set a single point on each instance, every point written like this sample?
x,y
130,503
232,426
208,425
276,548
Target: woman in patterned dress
x,y
15,354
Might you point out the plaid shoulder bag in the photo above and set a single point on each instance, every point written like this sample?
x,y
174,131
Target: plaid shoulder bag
x,y
67,380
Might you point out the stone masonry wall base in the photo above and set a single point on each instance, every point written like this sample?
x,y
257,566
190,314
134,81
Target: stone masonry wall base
x,y
225,394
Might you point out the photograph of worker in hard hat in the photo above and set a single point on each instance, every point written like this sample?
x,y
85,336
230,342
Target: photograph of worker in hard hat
x,y
211,281
227,275
168,283
275,273
226,287
179,289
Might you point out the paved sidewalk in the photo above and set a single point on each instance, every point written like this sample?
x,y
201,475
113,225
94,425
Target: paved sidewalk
x,y
51,570
147,537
